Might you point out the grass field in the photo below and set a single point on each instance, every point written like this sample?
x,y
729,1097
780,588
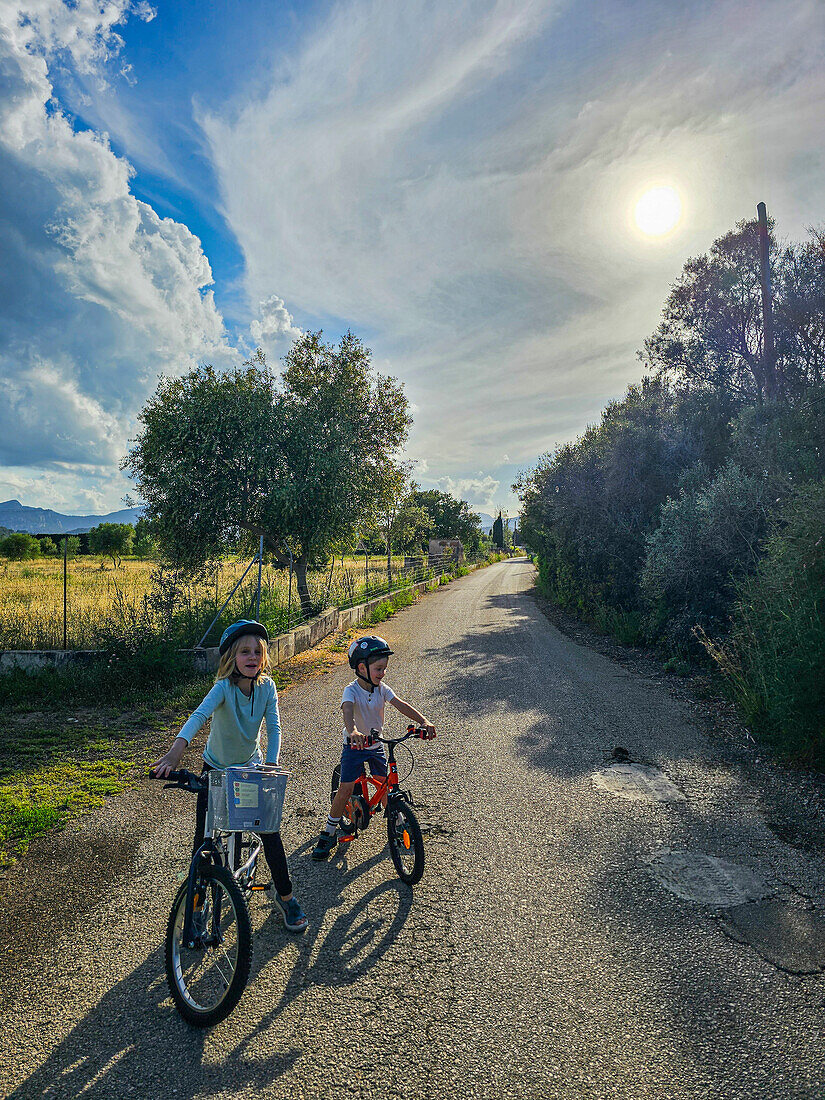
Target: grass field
x,y
101,598
83,744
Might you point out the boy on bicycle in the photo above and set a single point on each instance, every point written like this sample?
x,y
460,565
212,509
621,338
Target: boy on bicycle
x,y
363,709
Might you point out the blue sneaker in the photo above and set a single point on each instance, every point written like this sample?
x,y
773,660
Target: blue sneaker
x,y
292,913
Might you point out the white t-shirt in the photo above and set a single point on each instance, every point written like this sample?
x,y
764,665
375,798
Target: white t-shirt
x,y
367,706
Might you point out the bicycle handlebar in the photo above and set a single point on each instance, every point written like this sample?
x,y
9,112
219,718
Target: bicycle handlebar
x,y
184,781
412,731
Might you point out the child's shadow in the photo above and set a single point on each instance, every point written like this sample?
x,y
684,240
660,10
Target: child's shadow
x,y
358,938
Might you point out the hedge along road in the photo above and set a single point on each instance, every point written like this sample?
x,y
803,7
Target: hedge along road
x,y
539,957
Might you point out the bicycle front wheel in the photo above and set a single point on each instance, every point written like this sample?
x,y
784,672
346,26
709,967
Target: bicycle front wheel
x,y
405,840
208,973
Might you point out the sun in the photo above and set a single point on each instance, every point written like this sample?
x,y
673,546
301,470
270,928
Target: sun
x,y
658,211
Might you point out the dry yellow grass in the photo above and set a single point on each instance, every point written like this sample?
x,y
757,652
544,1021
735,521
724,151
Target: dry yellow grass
x,y
31,595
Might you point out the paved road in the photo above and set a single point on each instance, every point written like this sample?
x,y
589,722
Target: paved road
x,y
538,957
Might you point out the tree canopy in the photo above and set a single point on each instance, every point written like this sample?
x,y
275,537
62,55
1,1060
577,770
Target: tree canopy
x,y
227,457
711,333
112,540
20,547
449,518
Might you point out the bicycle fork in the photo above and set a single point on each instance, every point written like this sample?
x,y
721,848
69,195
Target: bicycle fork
x,y
204,852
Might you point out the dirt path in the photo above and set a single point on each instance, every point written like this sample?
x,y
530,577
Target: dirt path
x,y
540,956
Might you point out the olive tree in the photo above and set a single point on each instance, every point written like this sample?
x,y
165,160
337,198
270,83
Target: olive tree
x,y
20,546
112,540
223,457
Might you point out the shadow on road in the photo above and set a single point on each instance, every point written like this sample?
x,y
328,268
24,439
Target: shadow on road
x,y
133,1042
661,969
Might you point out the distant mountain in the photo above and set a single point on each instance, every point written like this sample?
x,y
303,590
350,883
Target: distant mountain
x,y
39,521
487,522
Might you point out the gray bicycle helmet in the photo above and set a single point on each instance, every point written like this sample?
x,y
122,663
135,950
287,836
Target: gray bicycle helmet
x,y
236,630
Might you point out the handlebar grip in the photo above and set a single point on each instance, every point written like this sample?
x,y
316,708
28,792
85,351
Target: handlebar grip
x,y
369,741
183,780
420,731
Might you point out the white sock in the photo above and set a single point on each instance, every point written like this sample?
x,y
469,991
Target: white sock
x,y
332,825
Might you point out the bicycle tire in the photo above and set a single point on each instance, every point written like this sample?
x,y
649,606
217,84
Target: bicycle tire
x,y
205,995
405,841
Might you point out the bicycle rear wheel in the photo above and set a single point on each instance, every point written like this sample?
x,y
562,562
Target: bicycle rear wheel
x,y
405,840
208,974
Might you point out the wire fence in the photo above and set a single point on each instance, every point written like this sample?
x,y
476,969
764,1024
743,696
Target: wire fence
x,y
272,593
87,603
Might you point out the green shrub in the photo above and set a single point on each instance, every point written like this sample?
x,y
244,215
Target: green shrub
x,y
707,538
773,659
20,547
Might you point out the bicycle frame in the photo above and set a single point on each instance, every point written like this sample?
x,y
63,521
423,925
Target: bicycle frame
x,y
220,848
385,786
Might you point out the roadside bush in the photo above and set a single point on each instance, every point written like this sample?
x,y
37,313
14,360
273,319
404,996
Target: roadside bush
x,y
773,660
786,440
707,538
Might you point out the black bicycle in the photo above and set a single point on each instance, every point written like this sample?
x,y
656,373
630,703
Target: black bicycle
x,y
209,933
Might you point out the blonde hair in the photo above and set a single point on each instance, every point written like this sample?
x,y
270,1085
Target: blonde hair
x,y
226,667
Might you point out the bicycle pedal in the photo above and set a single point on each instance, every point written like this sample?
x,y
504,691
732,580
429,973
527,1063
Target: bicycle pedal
x,y
346,839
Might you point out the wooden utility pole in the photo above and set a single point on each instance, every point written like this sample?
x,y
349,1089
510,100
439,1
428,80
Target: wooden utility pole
x,y
768,349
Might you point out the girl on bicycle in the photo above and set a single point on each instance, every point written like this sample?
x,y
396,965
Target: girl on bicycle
x,y
236,710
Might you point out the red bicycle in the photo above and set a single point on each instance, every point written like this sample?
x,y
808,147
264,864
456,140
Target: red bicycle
x,y
403,831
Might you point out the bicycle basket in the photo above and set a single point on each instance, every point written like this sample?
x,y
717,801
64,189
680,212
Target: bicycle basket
x,y
246,798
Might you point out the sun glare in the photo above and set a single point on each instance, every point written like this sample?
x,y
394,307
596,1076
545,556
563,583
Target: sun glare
x,y
658,211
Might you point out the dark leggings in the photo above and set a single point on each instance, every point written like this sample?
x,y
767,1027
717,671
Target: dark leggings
x,y
273,845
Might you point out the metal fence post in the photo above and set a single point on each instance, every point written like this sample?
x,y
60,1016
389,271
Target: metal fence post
x,y
260,563
226,601
289,600
65,572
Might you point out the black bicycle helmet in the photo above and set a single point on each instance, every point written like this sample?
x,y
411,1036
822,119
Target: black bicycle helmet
x,y
367,649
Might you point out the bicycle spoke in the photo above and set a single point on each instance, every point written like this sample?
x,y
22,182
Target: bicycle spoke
x,y
224,978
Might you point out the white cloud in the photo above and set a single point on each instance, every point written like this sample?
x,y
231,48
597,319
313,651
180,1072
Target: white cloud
x,y
98,295
84,29
481,493
446,178
274,327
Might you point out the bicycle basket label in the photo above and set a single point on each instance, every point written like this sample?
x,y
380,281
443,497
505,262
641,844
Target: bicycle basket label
x,y
246,795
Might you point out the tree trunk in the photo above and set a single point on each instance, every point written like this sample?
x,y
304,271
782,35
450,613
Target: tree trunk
x,y
389,562
300,565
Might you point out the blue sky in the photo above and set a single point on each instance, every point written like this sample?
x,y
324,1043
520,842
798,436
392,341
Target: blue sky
x,y
183,181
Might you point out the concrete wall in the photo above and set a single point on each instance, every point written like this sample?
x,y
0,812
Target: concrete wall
x,y
282,647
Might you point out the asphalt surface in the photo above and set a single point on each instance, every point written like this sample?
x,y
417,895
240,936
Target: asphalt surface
x,y
538,957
